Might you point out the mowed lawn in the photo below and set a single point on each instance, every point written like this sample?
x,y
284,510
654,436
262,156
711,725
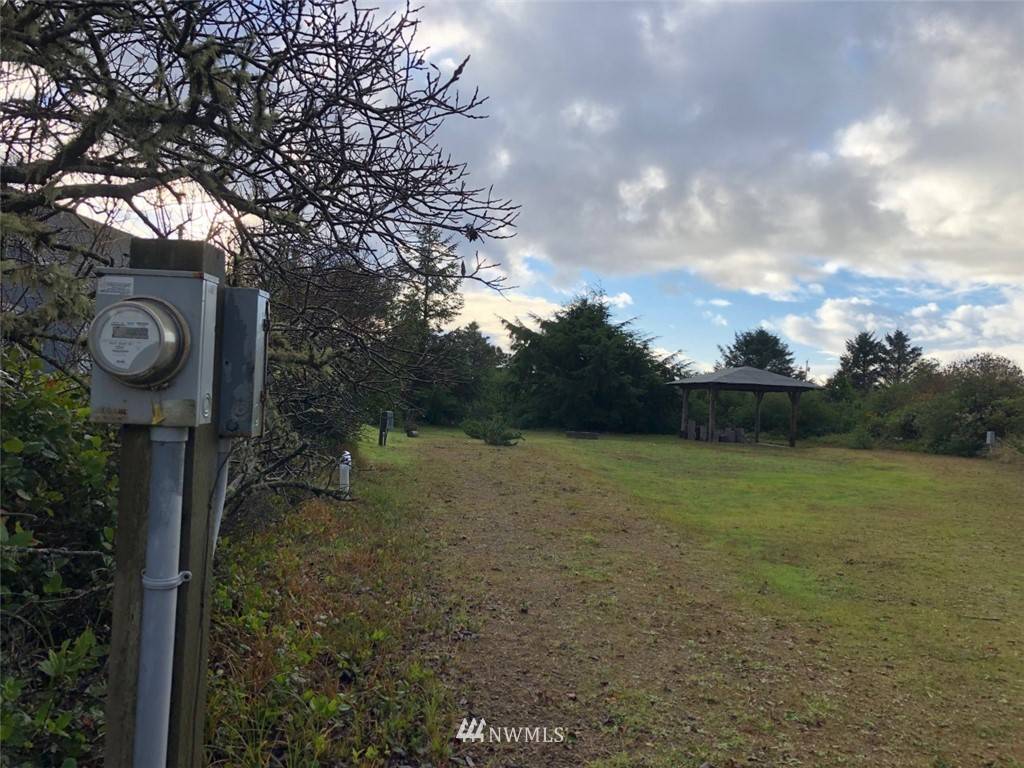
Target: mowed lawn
x,y
912,562
668,604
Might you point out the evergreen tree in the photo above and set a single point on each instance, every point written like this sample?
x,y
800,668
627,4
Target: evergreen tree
x,y
467,377
759,348
900,358
582,370
429,302
431,298
862,363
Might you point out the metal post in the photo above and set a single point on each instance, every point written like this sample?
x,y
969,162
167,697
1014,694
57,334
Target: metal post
x,y
344,481
344,473
220,490
160,582
686,413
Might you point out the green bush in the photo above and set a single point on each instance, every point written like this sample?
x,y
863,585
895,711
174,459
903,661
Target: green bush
x,y
985,392
58,497
947,428
860,438
493,431
474,428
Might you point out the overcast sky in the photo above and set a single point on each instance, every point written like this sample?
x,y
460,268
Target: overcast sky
x,y
815,168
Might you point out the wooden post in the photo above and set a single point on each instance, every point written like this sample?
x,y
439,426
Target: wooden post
x,y
188,686
758,398
130,559
712,403
794,407
686,413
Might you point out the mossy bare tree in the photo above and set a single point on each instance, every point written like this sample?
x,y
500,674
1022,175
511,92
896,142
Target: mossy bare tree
x,y
303,133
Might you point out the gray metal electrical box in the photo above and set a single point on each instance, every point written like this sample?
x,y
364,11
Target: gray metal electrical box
x,y
152,343
244,335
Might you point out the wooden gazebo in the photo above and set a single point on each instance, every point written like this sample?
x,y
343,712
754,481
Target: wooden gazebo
x,y
744,379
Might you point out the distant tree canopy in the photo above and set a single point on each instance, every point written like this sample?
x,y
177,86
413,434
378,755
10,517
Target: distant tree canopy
x,y
899,359
869,361
428,301
862,362
468,378
758,348
582,370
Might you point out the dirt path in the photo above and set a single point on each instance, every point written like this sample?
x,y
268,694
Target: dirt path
x,y
576,610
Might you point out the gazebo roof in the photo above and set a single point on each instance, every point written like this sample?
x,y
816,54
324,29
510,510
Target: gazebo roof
x,y
746,379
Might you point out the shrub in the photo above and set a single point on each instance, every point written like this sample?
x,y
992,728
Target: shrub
x,y
58,497
948,428
493,431
860,438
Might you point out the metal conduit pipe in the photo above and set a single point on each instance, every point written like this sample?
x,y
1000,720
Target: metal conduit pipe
x,y
220,489
160,582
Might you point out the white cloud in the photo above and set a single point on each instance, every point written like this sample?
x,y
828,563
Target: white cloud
x,y
877,141
635,194
951,354
619,300
517,264
946,335
992,326
753,270
974,71
487,308
924,310
947,204
832,323
596,118
715,318
447,35
665,155
501,161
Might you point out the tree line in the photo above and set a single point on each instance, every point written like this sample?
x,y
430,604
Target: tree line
x,y
887,392
582,370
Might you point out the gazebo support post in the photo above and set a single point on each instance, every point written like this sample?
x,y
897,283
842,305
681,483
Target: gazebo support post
x,y
794,403
686,413
758,397
712,404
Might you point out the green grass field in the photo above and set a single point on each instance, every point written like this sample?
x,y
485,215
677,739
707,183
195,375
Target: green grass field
x,y
670,603
921,554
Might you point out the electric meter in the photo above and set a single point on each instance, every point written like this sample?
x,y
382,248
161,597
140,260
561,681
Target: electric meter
x,y
152,343
142,341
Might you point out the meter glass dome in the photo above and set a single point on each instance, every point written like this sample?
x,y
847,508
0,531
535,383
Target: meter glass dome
x,y
140,341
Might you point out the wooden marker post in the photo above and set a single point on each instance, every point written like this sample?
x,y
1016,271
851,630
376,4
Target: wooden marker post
x,y
758,398
188,691
712,404
686,413
794,408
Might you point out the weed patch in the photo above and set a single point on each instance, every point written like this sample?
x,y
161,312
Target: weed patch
x,y
316,625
